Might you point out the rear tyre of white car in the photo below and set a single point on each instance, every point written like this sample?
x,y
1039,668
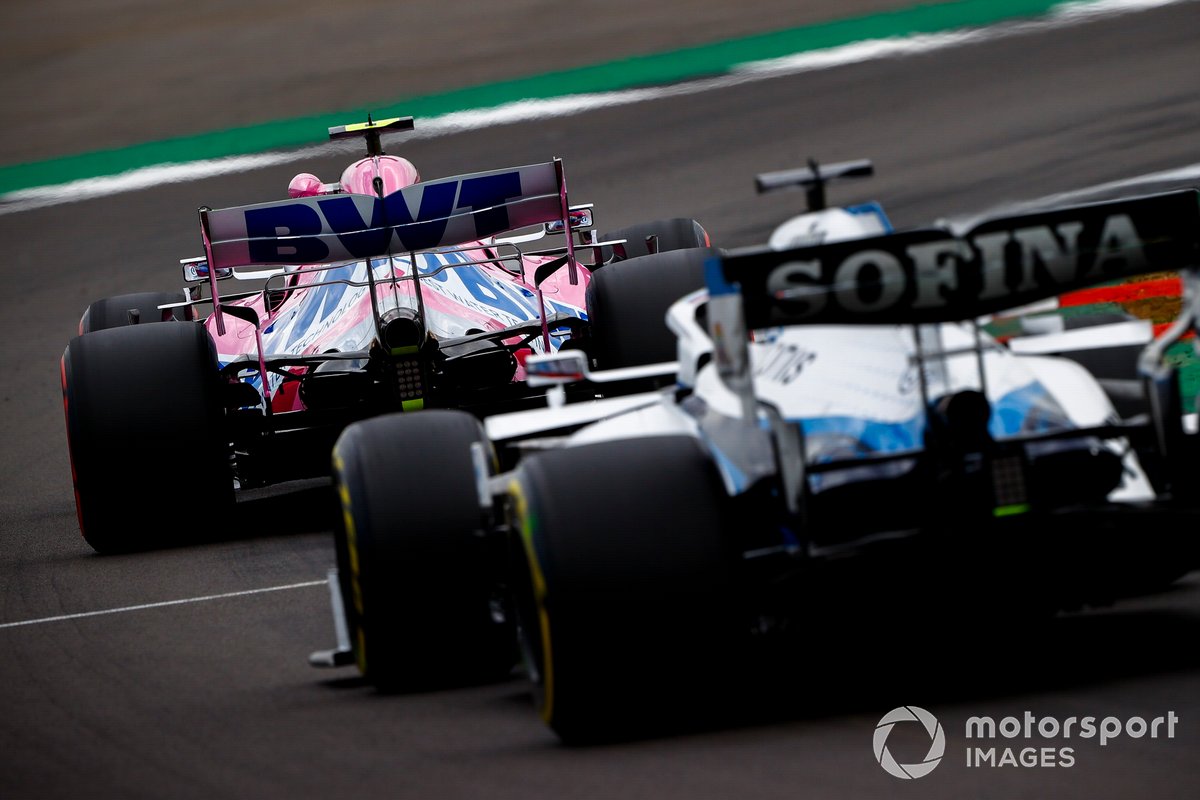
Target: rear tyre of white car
x,y
626,607
145,431
138,308
416,576
627,306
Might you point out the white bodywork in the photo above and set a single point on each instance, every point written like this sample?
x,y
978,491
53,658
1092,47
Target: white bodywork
x,y
854,384
828,225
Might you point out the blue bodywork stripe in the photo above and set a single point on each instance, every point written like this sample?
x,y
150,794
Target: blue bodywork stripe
x,y
1029,409
872,209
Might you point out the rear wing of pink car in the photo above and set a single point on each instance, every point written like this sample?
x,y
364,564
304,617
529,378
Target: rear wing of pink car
x,y
350,227
347,227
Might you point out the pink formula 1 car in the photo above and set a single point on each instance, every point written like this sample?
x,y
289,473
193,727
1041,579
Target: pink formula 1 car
x,y
379,293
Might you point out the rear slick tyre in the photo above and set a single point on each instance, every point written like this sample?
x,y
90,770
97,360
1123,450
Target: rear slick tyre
x,y
149,456
413,561
667,234
628,610
123,309
627,306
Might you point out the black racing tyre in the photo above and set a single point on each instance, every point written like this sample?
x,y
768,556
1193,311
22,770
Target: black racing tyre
x,y
671,234
121,310
145,430
627,306
417,580
627,609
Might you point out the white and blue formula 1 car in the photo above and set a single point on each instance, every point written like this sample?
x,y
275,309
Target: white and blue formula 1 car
x,y
838,437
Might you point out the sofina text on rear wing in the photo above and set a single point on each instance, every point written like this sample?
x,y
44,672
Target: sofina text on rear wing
x,y
931,276
934,275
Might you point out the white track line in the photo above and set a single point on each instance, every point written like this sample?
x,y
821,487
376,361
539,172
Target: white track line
x,y
1067,14
163,604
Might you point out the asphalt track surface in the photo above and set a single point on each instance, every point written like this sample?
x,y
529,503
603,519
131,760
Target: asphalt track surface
x,y
78,76
214,698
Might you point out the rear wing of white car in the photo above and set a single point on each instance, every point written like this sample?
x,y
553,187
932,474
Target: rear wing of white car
x,y
935,275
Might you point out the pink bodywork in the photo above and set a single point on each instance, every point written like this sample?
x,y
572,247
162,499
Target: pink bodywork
x,y
321,312
395,172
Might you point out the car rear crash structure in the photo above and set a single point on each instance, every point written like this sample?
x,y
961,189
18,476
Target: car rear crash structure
x,y
838,439
372,295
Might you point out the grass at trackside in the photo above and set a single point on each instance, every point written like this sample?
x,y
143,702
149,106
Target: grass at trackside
x,y
654,69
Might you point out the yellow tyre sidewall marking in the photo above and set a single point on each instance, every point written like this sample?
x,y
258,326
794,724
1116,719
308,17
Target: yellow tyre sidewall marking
x,y
360,639
525,526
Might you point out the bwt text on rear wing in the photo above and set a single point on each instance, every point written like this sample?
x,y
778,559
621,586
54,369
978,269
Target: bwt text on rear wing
x,y
347,227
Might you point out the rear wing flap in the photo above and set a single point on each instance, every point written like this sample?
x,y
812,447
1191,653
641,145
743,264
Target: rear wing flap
x,y
934,275
346,227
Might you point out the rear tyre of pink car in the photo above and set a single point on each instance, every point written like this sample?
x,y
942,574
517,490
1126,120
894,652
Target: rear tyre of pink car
x,y
627,306
668,234
149,456
138,308
417,575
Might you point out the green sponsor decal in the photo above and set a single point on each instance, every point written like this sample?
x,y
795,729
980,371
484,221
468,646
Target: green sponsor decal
x,y
1011,511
